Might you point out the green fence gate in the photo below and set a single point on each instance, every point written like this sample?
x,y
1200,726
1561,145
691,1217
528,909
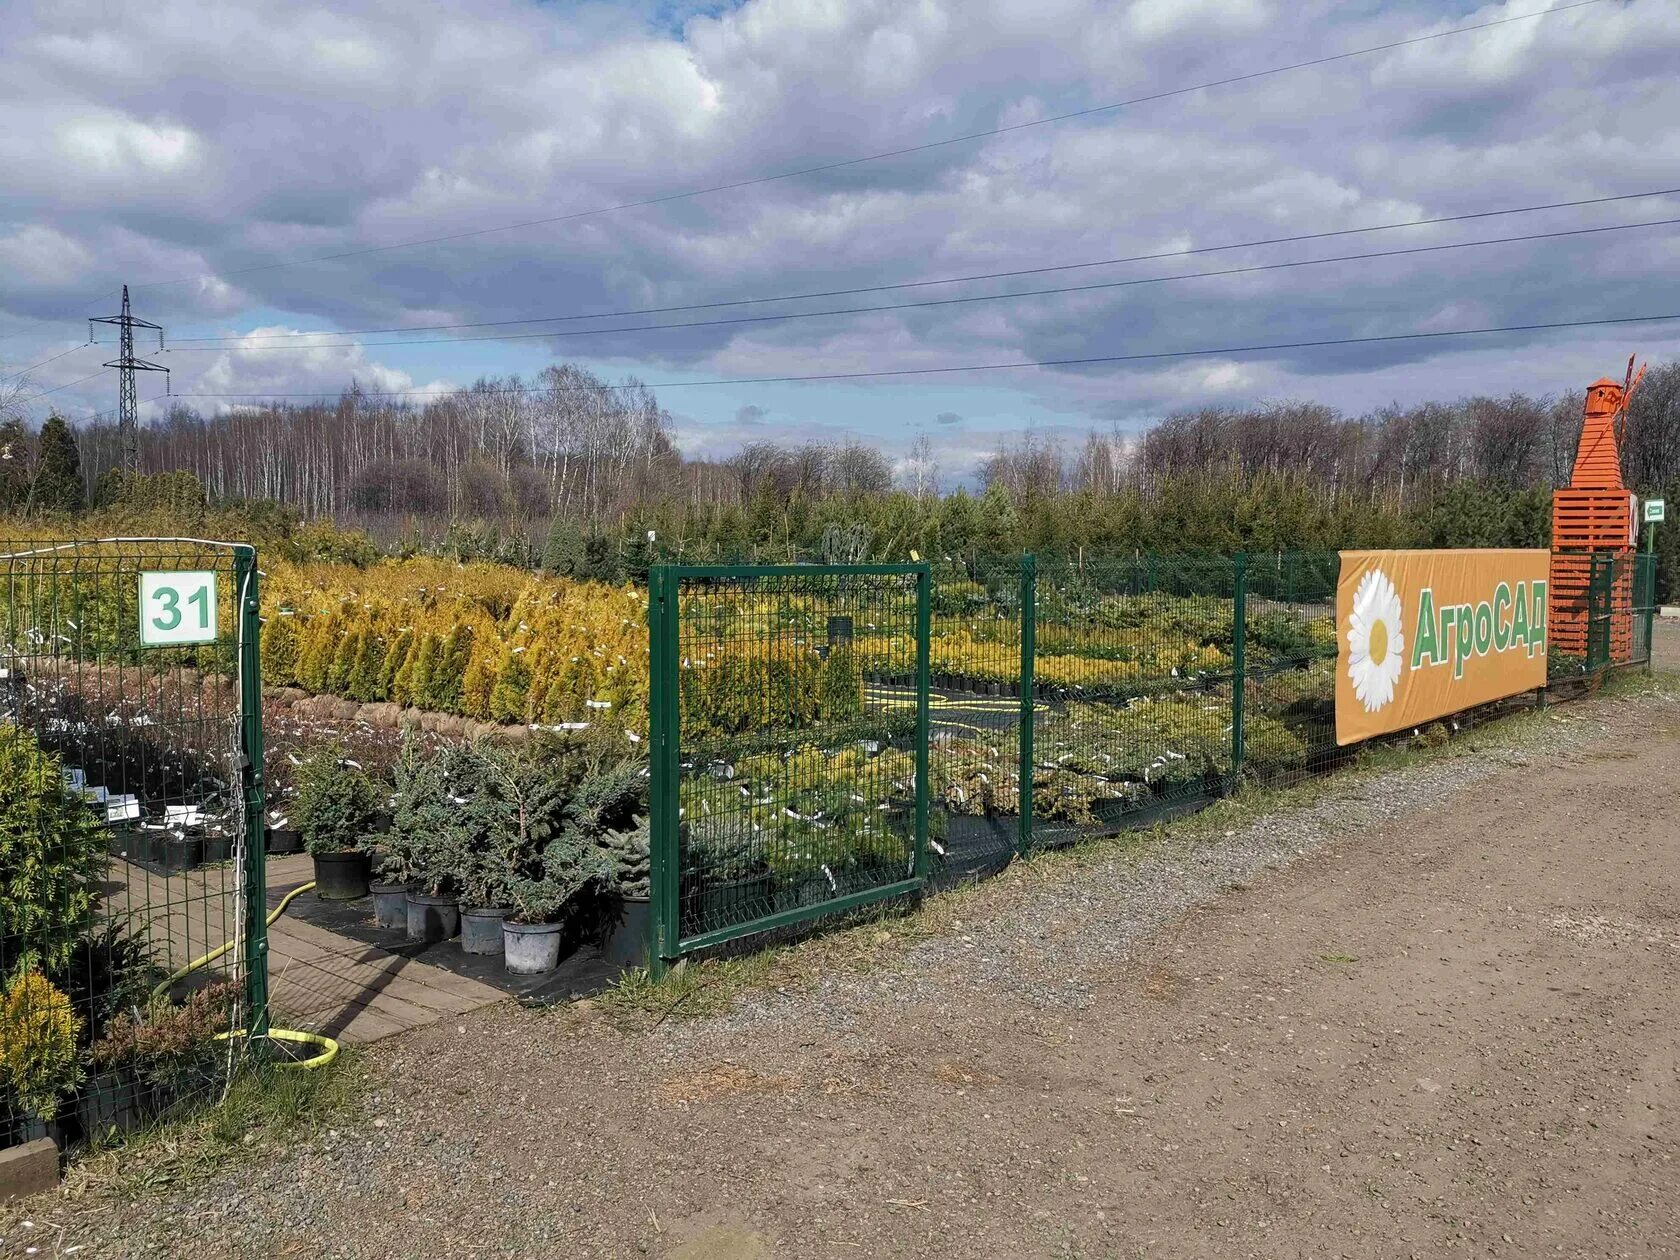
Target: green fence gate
x,y
789,732
131,837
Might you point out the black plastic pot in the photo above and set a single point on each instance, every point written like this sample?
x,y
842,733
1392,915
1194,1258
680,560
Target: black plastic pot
x,y
284,840
627,943
218,848
341,876
481,929
173,854
432,917
390,905
967,834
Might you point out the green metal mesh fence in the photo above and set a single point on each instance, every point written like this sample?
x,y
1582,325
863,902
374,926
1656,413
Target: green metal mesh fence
x,y
125,805
797,702
1067,698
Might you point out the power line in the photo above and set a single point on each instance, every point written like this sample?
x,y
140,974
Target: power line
x,y
989,275
66,385
23,372
1247,77
938,302
991,367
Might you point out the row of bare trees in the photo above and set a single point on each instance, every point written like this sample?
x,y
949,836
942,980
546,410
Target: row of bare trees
x,y
1398,455
566,444
569,444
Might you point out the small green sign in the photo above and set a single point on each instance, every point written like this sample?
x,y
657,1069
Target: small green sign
x,y
1654,509
177,607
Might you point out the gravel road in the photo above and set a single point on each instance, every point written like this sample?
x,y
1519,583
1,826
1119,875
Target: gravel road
x,y
1430,1013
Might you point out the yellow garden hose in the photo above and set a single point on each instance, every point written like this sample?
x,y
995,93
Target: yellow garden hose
x,y
329,1047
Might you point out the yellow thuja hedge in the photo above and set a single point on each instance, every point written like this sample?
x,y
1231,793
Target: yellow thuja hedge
x,y
482,640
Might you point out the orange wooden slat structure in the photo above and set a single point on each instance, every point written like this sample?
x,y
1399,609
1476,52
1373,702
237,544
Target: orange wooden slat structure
x,y
1597,513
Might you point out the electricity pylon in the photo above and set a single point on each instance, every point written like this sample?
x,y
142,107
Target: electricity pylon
x,y
128,421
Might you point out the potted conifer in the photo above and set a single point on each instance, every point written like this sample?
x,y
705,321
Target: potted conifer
x,y
423,852
540,896
336,803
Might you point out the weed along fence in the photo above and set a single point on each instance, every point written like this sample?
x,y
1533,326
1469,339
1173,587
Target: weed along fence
x,y
131,865
824,737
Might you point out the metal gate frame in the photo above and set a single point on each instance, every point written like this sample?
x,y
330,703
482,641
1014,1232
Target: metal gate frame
x,y
667,943
70,621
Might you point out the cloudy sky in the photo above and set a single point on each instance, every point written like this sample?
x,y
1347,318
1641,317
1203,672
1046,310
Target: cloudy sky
x,y
209,155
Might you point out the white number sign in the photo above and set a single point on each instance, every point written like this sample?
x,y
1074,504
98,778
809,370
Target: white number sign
x,y
177,607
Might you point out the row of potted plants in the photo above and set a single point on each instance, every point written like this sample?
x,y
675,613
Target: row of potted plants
x,y
510,849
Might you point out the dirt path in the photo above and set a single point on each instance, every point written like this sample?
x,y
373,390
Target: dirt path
x,y
1383,1027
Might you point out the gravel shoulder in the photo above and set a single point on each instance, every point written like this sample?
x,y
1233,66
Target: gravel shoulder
x,y
1421,1011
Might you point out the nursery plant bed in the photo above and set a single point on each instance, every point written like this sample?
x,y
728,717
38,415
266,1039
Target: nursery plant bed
x,y
582,973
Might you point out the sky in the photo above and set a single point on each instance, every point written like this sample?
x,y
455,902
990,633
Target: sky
x,y
209,155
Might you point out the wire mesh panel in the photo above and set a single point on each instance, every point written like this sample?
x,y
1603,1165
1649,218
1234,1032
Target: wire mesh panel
x,y
977,708
790,744
1644,607
1133,661
1289,665
125,807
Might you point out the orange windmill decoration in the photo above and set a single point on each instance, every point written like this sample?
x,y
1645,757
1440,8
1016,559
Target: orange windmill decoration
x,y
1597,513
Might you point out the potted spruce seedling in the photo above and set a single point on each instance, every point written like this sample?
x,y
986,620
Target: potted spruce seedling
x,y
610,808
421,855
627,854
542,861
508,806
335,811
511,806
538,901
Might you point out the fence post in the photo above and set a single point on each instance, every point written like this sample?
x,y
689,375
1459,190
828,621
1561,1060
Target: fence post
x,y
662,786
1647,576
249,668
1598,611
1239,662
924,649
1029,649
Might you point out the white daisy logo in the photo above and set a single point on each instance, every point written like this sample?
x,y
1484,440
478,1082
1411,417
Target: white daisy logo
x,y
1375,641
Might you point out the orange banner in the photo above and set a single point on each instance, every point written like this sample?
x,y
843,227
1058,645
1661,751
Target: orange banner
x,y
1422,634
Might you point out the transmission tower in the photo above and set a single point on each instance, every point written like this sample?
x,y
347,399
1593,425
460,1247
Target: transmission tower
x,y
128,406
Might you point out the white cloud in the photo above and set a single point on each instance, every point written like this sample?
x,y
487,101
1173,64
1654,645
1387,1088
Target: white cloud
x,y
324,365
114,145
186,145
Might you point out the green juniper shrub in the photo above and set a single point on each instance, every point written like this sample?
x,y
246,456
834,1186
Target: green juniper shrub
x,y
52,847
337,803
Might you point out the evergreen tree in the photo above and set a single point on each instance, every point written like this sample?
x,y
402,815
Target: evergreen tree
x,y
564,553
58,473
